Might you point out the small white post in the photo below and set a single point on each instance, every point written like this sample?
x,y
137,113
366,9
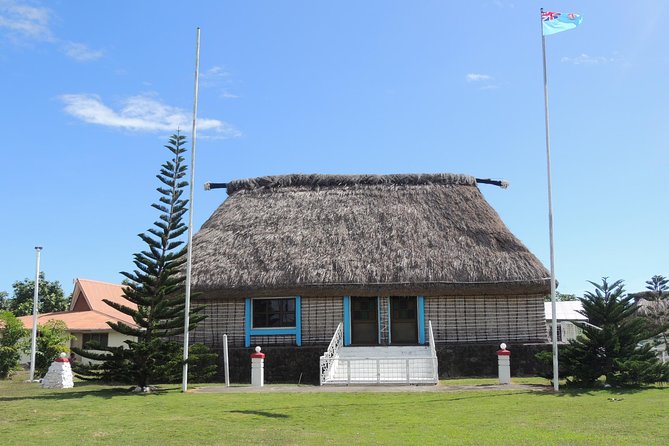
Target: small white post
x,y
408,371
504,364
258,368
225,360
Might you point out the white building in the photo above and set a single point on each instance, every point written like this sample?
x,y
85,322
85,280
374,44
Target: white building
x,y
566,313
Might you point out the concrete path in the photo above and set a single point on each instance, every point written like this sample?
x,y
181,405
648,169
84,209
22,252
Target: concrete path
x,y
293,388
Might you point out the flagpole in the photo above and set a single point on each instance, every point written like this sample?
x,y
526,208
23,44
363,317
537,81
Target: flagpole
x,y
556,378
189,255
33,339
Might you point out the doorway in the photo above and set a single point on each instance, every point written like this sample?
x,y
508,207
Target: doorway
x,y
403,320
364,321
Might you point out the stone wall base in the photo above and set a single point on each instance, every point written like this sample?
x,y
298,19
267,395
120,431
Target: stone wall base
x,y
469,360
301,364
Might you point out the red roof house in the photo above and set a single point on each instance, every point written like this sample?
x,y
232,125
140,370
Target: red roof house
x,y
87,317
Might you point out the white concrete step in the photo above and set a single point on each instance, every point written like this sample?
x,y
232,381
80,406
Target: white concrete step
x,y
384,352
383,365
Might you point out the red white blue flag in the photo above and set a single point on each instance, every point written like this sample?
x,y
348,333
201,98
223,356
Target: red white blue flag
x,y
555,22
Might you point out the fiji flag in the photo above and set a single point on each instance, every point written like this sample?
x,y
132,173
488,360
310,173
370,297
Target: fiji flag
x,y
555,22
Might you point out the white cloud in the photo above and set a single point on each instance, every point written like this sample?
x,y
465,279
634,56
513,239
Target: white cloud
x,y
219,79
214,72
227,95
475,77
502,5
141,113
213,77
585,59
81,52
25,22
483,81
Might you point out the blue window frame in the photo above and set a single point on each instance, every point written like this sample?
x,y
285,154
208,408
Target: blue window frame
x,y
273,316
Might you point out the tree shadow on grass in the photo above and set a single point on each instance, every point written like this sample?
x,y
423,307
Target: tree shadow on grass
x,y
260,413
592,391
67,394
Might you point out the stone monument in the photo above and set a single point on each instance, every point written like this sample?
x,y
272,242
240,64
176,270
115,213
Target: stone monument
x,y
59,375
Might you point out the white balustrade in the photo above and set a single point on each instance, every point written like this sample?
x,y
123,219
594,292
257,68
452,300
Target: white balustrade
x,y
378,365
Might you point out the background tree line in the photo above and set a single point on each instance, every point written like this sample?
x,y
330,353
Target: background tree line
x,y
51,297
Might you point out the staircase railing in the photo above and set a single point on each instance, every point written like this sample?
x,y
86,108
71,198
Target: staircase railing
x,y
433,352
414,369
382,370
331,354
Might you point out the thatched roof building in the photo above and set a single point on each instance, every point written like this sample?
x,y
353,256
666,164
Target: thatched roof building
x,y
299,263
366,235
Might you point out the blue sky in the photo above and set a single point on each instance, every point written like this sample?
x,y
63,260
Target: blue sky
x,y
90,92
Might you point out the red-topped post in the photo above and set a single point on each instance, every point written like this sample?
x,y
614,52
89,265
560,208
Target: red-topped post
x,y
504,364
59,375
257,368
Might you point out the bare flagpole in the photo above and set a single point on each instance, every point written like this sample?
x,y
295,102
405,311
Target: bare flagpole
x,y
556,377
189,255
33,339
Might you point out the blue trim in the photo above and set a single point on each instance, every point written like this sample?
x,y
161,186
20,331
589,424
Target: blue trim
x,y
347,320
421,320
298,321
272,331
247,326
250,331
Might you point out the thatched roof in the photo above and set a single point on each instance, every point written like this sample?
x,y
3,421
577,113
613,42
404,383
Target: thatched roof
x,y
431,234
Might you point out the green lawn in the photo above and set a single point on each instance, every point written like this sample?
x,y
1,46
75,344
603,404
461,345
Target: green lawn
x,y
91,414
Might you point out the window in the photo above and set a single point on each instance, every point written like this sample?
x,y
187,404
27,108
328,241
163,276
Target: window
x,y
273,313
273,316
91,340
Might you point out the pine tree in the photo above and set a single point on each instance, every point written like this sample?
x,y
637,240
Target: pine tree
x,y
609,345
658,286
156,286
655,309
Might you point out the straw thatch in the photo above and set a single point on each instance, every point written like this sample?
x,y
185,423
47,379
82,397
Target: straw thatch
x,y
372,235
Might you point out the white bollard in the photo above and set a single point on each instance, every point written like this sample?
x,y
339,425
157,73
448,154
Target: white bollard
x,y
59,375
258,368
504,364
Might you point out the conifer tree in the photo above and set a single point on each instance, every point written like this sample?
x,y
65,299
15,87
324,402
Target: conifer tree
x,y
610,343
156,286
658,286
655,309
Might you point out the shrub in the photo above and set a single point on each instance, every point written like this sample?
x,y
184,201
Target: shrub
x,y
11,332
52,339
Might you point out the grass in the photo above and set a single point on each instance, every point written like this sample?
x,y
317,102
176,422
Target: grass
x,y
93,414
493,381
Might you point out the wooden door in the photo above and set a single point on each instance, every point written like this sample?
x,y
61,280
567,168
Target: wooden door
x,y
403,320
364,321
